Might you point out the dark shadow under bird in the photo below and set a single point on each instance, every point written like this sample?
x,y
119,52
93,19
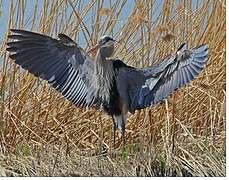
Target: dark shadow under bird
x,y
105,83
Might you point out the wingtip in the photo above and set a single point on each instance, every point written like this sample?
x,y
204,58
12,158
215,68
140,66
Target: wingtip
x,y
14,30
206,46
8,49
203,46
11,36
8,44
66,40
201,49
182,47
21,31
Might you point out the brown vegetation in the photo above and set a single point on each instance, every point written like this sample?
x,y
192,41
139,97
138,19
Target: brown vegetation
x,y
42,134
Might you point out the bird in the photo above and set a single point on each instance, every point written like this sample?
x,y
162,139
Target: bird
x,y
104,82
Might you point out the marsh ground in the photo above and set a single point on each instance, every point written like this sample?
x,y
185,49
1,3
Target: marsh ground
x,y
41,134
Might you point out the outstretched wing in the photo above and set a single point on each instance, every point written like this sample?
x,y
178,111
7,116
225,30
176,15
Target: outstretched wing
x,y
153,84
62,63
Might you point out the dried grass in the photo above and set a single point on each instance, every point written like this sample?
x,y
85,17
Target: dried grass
x,y
42,134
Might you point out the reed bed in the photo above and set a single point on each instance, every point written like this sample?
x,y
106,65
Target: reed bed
x,y
42,134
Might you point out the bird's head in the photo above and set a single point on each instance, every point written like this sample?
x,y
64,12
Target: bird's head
x,y
105,46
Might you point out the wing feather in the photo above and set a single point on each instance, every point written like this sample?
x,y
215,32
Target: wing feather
x,y
62,63
175,71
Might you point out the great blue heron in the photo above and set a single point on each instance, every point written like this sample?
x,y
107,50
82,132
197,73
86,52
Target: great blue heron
x,y
105,83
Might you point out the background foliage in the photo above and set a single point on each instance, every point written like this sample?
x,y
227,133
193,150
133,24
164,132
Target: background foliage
x,y
42,134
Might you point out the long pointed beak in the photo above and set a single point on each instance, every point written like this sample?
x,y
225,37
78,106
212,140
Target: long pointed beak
x,y
94,48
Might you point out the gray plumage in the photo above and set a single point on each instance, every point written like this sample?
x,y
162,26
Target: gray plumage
x,y
108,84
66,67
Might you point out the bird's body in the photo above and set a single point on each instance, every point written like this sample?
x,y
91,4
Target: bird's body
x,y
105,83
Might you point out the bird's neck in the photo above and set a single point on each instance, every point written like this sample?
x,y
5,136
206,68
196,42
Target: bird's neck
x,y
104,74
100,60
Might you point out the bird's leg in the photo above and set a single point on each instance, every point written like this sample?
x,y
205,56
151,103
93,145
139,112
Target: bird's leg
x,y
119,123
114,131
123,134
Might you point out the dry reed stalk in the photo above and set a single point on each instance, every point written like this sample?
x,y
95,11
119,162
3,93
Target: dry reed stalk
x,y
185,135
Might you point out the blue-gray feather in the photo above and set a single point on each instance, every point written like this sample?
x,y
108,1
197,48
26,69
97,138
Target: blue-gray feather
x,y
70,71
60,62
155,83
